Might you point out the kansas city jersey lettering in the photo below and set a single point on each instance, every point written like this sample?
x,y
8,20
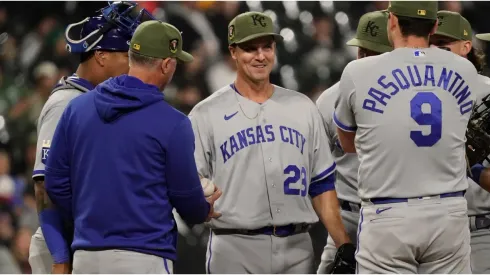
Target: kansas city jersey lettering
x,y
416,76
261,134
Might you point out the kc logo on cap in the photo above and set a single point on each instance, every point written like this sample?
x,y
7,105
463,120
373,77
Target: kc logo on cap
x,y
259,19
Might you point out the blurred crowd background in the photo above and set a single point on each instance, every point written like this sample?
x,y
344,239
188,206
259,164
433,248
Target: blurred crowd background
x,y
33,58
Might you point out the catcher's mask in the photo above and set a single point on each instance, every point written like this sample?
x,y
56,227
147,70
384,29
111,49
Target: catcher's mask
x,y
110,30
478,133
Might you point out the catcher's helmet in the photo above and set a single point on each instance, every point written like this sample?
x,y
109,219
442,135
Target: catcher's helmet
x,y
110,30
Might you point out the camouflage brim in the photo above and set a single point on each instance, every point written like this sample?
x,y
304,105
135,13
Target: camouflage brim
x,y
184,56
372,46
445,34
483,36
277,37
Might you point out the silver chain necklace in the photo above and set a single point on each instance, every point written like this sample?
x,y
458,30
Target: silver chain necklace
x,y
240,105
243,112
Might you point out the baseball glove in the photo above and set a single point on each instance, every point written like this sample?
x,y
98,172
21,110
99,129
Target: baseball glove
x,y
478,134
345,261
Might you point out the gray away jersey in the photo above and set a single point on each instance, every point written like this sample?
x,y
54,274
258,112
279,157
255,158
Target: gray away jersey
x,y
478,198
47,122
347,163
410,108
267,158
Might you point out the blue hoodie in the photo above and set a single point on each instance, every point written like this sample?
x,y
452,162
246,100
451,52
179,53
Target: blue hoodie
x,y
121,158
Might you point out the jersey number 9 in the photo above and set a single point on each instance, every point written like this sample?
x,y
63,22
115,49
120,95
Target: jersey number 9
x,y
296,183
432,118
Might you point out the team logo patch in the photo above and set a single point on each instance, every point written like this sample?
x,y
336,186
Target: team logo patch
x,y
421,12
173,45
136,46
259,20
231,32
441,18
372,28
45,150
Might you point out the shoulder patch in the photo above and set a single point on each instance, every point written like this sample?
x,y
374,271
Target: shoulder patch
x,y
45,150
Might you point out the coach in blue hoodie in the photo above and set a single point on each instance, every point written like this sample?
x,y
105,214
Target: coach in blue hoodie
x,y
122,158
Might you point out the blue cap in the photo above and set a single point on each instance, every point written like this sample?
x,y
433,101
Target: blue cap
x,y
110,30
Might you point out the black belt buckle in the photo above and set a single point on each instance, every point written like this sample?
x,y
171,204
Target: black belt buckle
x,y
297,228
482,222
274,231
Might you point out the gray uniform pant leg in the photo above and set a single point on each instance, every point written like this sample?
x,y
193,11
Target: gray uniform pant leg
x,y
40,258
418,236
350,219
259,254
480,251
119,261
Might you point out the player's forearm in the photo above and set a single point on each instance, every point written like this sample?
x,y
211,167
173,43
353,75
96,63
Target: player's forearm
x,y
327,208
42,199
346,140
58,189
51,224
192,207
485,179
481,175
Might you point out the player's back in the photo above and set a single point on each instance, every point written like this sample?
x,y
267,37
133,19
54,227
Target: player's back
x,y
411,108
121,134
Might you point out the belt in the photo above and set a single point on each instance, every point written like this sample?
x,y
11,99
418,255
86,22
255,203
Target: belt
x,y
278,231
398,200
479,222
349,206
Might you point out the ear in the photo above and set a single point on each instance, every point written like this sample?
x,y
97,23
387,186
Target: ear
x,y
233,50
100,58
168,65
434,28
467,45
392,21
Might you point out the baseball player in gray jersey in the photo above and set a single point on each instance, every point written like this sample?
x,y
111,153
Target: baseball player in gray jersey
x,y
482,176
454,34
265,147
371,39
405,113
103,47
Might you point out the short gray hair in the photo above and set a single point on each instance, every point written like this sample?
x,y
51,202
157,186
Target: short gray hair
x,y
142,60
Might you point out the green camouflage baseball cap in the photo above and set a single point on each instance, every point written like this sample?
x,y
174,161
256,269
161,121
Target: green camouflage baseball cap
x,y
371,32
250,25
414,9
453,25
154,38
483,36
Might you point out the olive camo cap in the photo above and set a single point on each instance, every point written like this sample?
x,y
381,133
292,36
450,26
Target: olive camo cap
x,y
453,25
250,25
371,32
414,9
154,38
